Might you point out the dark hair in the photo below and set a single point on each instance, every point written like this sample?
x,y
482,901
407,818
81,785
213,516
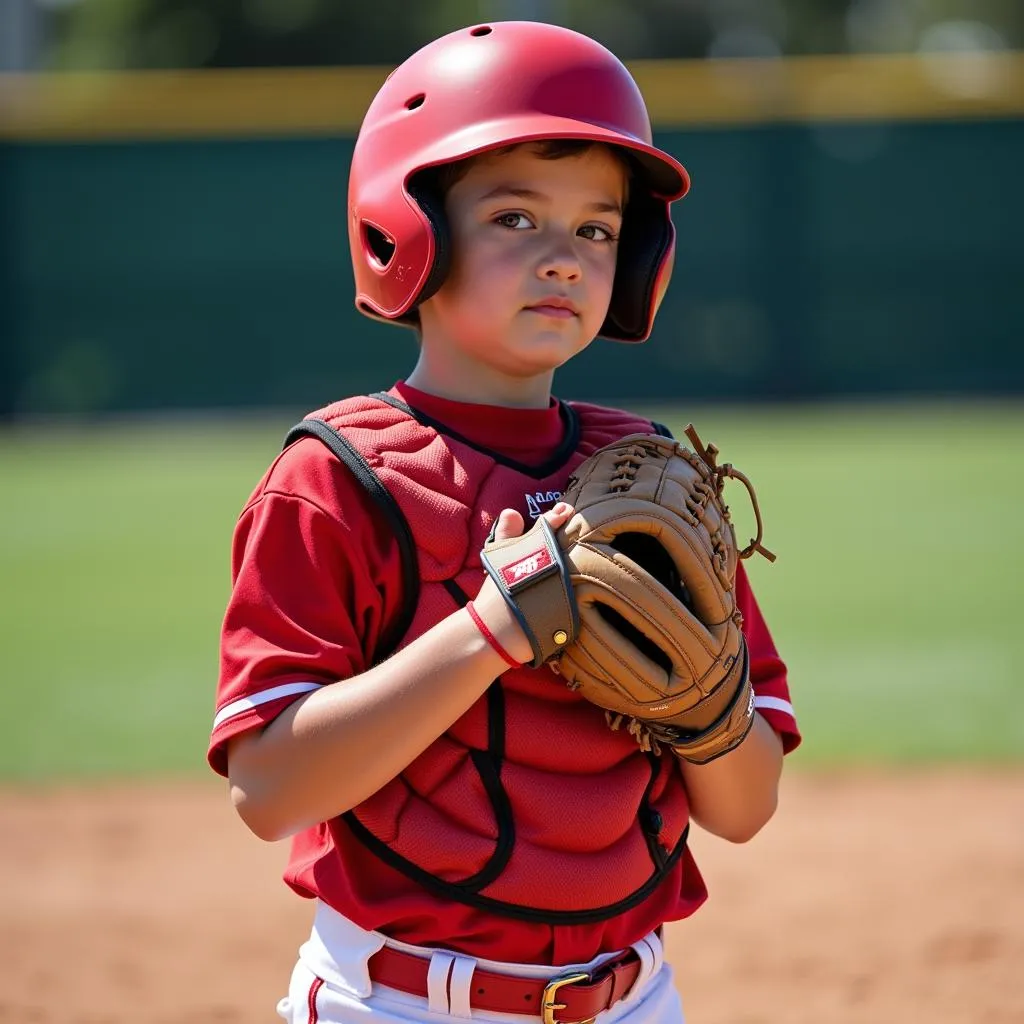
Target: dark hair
x,y
442,178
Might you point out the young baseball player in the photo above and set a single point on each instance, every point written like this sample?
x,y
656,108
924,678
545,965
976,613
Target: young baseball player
x,y
478,843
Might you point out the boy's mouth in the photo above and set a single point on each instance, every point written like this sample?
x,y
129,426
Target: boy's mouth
x,y
557,306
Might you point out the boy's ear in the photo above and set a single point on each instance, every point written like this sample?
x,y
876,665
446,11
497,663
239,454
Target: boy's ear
x,y
645,245
432,204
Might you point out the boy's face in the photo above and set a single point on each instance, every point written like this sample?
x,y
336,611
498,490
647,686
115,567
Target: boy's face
x,y
533,261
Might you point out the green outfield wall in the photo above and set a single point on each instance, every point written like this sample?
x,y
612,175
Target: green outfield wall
x,y
854,226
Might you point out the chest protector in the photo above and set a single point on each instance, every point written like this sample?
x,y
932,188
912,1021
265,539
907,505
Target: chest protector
x,y
529,805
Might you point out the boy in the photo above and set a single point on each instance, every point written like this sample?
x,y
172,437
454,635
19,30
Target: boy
x,y
478,841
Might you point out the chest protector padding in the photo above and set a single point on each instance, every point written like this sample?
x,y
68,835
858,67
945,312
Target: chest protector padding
x,y
529,804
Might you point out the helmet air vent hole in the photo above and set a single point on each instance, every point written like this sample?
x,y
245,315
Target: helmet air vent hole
x,y
381,248
481,30
415,101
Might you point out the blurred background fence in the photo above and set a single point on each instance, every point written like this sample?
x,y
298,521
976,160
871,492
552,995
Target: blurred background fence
x,y
174,236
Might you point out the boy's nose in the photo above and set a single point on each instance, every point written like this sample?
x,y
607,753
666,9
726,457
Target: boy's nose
x,y
560,264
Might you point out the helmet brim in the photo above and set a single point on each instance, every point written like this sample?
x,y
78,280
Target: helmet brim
x,y
665,176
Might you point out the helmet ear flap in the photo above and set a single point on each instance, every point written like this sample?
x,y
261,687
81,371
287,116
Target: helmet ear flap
x,y
427,197
431,202
645,242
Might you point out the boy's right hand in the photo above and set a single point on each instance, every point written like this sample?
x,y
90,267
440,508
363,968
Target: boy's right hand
x,y
491,606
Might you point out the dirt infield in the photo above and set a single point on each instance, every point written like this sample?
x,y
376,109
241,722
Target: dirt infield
x,y
870,898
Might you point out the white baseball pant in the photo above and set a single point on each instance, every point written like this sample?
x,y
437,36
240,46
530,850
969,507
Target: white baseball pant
x,y
331,983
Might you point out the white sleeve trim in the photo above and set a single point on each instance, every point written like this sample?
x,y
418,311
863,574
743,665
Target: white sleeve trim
x,y
237,707
776,704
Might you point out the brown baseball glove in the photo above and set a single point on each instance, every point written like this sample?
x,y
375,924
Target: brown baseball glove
x,y
633,600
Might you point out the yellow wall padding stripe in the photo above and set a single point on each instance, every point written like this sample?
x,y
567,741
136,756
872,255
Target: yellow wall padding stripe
x,y
176,104
318,101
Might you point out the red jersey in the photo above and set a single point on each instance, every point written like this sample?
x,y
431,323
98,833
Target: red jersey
x,y
317,579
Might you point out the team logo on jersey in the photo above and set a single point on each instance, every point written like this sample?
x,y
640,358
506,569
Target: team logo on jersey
x,y
515,574
535,502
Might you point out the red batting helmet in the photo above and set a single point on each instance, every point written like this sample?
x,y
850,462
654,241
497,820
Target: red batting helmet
x,y
483,88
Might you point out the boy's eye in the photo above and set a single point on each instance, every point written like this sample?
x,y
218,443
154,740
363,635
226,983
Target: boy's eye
x,y
521,222
597,233
516,221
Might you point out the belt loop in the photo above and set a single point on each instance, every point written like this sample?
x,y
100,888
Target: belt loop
x,y
652,956
657,943
437,981
460,986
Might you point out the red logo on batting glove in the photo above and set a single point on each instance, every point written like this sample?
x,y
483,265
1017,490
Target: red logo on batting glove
x,y
515,574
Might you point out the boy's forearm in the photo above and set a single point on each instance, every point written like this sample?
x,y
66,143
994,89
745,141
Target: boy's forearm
x,y
735,795
331,750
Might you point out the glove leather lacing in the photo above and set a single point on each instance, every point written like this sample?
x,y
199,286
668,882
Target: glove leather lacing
x,y
627,464
709,455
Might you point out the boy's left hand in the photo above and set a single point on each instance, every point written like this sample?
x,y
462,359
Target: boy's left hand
x,y
491,604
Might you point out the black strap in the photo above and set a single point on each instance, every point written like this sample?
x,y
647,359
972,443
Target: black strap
x,y
488,766
360,468
660,428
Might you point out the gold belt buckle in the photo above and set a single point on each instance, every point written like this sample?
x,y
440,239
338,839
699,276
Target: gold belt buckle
x,y
548,1004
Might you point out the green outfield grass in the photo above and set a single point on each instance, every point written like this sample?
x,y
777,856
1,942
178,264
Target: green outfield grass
x,y
896,597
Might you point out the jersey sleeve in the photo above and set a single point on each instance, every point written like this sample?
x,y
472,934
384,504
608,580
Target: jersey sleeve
x,y
316,577
767,669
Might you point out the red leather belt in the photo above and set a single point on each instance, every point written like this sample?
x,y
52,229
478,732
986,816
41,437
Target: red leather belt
x,y
569,998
